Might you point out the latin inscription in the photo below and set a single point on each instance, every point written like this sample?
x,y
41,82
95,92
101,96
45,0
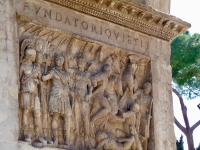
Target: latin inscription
x,y
72,21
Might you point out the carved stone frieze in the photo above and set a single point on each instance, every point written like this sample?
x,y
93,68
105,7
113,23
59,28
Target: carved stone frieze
x,y
130,14
76,93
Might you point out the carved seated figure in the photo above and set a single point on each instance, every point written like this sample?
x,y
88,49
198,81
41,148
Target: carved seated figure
x,y
112,91
106,140
99,82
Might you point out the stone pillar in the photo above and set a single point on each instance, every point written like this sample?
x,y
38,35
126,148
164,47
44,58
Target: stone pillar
x,y
163,117
8,74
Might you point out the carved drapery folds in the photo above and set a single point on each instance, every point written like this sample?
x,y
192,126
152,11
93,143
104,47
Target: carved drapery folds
x,y
77,93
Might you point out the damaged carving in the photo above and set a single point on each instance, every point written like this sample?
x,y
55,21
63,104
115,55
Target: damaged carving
x,y
79,94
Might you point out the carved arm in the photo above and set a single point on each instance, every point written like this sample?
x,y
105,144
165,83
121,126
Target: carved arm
x,y
89,94
47,77
128,114
101,144
95,79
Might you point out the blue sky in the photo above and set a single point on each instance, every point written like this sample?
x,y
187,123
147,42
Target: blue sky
x,y
187,10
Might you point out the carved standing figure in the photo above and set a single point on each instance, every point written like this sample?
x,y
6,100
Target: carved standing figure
x,y
30,102
41,65
145,101
129,84
82,95
59,103
43,94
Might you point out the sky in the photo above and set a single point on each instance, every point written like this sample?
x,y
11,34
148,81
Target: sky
x,y
187,10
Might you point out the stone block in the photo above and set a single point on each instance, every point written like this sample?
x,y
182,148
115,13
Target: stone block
x,y
2,34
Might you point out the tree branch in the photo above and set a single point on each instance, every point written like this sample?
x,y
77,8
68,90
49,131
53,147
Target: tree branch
x,y
179,125
184,110
195,125
180,99
192,91
195,74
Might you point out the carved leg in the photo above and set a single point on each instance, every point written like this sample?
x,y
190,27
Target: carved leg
x,y
116,118
134,145
36,122
77,117
144,144
67,127
86,122
129,143
25,124
44,123
55,127
45,138
137,142
105,109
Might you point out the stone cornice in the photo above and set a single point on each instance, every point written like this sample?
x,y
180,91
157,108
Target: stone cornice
x,y
130,14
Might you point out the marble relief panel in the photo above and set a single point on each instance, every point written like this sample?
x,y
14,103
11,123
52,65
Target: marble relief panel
x,y
76,93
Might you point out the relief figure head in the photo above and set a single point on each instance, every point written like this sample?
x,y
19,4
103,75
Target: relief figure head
x,y
40,44
30,55
81,63
135,108
132,67
107,69
59,60
147,88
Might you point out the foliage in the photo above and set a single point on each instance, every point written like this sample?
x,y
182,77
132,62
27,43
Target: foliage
x,y
198,148
185,62
179,144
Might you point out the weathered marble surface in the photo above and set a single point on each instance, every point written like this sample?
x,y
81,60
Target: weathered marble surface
x,y
8,72
114,37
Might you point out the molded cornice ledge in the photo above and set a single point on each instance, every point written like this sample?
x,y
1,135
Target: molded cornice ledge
x,y
130,14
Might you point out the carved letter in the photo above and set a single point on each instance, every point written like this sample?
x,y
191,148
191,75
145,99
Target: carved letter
x,y
84,25
129,39
47,13
108,33
135,39
116,35
26,5
58,17
37,9
67,20
146,45
94,28
75,22
101,31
